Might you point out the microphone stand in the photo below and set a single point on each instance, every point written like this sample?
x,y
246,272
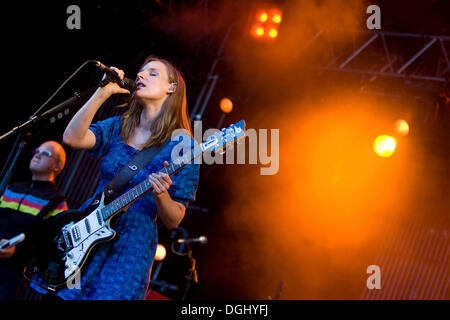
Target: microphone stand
x,y
24,133
17,150
192,276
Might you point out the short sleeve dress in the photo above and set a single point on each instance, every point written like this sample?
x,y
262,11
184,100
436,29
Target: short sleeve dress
x,y
120,269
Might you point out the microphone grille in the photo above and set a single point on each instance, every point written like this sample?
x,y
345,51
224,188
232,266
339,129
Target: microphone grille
x,y
128,84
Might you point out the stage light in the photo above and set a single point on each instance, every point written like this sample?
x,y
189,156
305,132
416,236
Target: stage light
x,y
276,18
265,23
263,17
226,105
273,33
160,252
259,31
402,127
384,145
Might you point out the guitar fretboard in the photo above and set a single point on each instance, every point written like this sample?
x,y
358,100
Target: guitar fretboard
x,y
145,186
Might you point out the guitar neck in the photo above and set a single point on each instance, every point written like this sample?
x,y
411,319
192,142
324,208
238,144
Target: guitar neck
x,y
214,143
145,186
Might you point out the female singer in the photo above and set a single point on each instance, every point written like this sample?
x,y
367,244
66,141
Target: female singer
x,y
121,269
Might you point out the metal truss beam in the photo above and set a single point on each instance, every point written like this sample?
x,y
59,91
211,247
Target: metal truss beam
x,y
386,54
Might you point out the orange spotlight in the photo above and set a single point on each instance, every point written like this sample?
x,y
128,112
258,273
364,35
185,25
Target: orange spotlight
x,y
265,24
276,18
263,17
160,252
258,31
226,105
402,127
384,145
273,33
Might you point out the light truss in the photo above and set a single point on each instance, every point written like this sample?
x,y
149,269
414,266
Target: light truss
x,y
340,59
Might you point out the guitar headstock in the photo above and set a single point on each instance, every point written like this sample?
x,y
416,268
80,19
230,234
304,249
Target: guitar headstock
x,y
224,137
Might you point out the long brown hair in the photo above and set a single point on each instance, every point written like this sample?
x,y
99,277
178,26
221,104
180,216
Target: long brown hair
x,y
173,114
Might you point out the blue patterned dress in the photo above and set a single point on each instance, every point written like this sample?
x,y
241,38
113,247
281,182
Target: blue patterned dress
x,y
121,269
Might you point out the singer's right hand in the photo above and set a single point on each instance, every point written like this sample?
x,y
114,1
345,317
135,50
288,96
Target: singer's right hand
x,y
112,87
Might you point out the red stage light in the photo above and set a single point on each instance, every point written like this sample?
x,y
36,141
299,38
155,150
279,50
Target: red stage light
x,y
266,24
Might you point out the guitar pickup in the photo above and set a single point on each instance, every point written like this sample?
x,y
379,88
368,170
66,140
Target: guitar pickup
x,y
88,226
76,233
99,218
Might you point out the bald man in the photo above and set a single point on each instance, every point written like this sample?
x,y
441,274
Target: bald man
x,y
48,161
23,206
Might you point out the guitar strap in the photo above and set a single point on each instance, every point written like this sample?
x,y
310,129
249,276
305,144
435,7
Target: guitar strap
x,y
142,158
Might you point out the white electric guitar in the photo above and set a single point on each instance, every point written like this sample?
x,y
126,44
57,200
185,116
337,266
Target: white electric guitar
x,y
75,233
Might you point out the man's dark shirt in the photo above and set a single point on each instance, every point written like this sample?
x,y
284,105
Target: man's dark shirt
x,y
20,205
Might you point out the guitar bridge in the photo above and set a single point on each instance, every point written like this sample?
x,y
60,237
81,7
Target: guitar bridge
x,y
76,233
68,241
67,238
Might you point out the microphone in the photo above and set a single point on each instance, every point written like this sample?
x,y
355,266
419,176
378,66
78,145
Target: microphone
x,y
201,240
112,76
